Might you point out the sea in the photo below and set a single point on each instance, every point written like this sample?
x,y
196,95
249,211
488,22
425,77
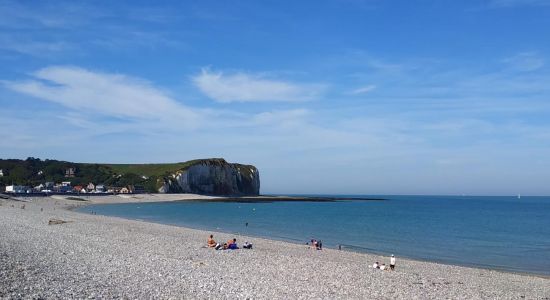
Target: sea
x,y
502,233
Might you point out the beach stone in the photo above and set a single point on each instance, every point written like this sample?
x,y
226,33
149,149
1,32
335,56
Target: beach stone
x,y
100,257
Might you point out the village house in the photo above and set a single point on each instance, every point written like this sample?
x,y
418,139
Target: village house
x,y
39,187
63,188
90,187
100,188
18,189
136,189
69,172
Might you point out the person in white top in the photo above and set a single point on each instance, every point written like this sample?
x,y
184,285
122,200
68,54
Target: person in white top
x,y
392,262
383,267
375,265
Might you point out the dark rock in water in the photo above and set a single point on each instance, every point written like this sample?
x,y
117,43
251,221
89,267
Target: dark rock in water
x,y
214,177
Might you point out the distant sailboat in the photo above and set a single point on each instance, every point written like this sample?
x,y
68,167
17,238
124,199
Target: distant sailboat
x,y
519,196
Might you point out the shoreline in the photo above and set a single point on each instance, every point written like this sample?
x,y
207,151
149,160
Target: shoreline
x,y
344,247
416,278
158,197
161,198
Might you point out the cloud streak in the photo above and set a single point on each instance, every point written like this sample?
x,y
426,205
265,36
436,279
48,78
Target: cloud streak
x,y
243,87
112,95
363,90
525,62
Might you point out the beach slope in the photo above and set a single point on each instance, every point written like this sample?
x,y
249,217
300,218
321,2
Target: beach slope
x,y
105,257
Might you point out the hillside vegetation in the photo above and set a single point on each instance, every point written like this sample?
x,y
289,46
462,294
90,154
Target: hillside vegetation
x,y
150,169
34,171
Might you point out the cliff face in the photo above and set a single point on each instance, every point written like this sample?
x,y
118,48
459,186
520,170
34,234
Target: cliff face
x,y
214,177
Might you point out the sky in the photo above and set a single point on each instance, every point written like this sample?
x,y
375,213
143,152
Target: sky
x,y
323,97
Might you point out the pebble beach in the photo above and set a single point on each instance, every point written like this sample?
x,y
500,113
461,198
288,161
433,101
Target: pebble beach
x,y
99,257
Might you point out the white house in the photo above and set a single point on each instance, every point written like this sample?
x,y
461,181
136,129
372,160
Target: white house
x,y
1,173
90,187
100,188
39,187
16,189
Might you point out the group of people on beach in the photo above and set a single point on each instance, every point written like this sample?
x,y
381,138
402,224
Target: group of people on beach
x,y
383,267
229,245
315,244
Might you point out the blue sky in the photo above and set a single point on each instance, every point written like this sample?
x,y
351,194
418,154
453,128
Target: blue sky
x,y
351,96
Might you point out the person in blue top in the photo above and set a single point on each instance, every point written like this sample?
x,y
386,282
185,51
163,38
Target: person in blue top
x,y
232,244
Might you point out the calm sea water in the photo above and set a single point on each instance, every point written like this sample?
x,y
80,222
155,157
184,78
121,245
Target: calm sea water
x,y
504,233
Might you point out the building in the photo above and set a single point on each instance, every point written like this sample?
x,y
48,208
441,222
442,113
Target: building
x,y
18,189
69,172
100,188
39,187
62,188
1,173
90,187
79,189
136,189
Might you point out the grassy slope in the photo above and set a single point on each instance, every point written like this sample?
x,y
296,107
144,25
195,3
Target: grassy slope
x,y
151,169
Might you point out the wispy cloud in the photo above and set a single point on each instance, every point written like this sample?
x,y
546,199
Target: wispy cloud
x,y
32,47
525,61
284,117
112,95
243,87
42,29
363,90
104,103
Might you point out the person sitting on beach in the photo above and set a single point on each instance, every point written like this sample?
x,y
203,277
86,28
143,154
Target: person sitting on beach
x,y
232,244
247,245
224,246
313,243
375,265
383,267
211,242
320,245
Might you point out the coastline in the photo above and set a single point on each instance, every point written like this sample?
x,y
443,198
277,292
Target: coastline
x,y
123,256
348,248
158,197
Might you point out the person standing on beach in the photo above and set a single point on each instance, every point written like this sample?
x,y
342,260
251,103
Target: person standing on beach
x,y
392,262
